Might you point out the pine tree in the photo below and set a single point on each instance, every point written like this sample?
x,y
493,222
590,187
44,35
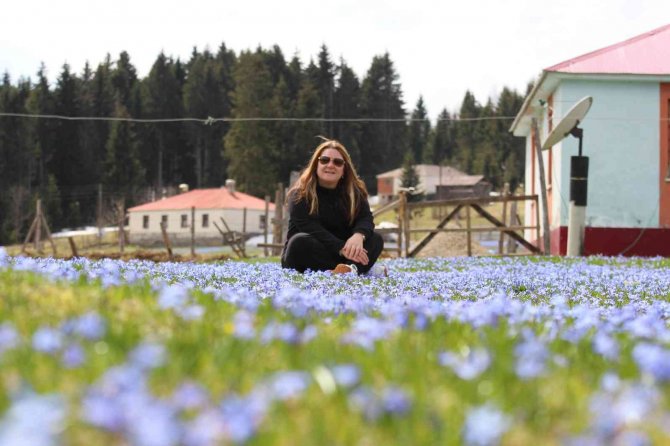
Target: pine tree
x,y
41,102
347,105
17,160
326,88
511,150
410,178
250,148
466,133
163,100
123,171
419,131
384,142
442,140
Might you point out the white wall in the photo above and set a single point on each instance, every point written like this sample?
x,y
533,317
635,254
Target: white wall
x,y
234,219
621,139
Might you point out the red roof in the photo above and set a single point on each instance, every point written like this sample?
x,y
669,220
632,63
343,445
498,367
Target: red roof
x,y
220,198
648,53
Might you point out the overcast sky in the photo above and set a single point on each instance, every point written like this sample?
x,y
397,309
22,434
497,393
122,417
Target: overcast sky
x,y
440,48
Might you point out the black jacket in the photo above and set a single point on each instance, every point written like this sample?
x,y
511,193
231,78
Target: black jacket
x,y
330,225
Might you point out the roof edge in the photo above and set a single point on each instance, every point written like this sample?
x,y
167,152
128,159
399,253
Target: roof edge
x,y
557,67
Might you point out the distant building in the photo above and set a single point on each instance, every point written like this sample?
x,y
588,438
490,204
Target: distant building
x,y
626,137
441,182
242,212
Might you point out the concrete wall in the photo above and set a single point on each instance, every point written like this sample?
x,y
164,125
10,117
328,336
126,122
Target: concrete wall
x,y
178,234
621,139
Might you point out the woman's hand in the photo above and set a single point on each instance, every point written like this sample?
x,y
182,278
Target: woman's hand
x,y
354,251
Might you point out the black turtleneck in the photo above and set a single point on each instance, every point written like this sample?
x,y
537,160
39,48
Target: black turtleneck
x,y
330,226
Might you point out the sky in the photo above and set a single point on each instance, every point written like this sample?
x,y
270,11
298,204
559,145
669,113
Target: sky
x,y
440,48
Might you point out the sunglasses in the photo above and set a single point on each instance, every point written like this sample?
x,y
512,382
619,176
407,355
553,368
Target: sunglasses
x,y
323,159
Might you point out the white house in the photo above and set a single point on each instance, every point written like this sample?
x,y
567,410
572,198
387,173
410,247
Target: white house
x,y
430,177
242,212
626,137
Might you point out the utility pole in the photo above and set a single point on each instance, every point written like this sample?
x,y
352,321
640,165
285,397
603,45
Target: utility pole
x,y
543,188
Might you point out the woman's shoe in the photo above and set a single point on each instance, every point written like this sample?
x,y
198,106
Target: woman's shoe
x,y
343,268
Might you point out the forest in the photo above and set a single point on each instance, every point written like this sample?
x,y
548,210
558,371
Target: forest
x,y
103,139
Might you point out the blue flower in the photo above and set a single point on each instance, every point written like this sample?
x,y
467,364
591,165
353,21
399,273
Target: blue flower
x,y
395,401
653,360
33,420
147,355
484,425
346,375
173,296
90,326
190,395
469,365
9,337
47,340
73,356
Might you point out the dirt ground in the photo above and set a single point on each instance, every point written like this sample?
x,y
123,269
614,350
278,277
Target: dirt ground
x,y
451,244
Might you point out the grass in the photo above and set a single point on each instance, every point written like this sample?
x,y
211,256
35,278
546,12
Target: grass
x,y
545,409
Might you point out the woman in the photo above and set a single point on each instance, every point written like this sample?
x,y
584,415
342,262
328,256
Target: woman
x,y
330,224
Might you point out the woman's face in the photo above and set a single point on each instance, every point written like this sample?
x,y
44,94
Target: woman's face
x,y
330,173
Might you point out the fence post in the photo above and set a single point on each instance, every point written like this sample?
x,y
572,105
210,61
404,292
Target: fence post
x,y
192,231
501,241
267,223
38,227
278,226
403,224
166,240
468,225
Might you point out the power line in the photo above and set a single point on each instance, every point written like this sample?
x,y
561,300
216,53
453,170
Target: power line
x,y
210,120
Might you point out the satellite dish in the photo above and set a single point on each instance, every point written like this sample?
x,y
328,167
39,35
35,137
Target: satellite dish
x,y
571,120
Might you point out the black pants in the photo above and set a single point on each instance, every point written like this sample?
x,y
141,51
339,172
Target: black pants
x,y
304,252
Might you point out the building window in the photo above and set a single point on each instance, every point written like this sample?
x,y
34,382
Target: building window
x,y
261,222
184,221
164,221
205,220
145,222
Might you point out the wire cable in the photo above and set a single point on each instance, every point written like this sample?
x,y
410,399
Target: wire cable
x,y
210,120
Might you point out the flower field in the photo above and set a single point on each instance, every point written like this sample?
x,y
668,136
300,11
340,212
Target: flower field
x,y
477,351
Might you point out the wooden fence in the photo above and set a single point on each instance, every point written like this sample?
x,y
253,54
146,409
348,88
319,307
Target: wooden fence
x,y
506,227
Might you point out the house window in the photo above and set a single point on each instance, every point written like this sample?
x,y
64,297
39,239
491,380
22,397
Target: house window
x,y
261,222
145,222
205,220
164,221
184,221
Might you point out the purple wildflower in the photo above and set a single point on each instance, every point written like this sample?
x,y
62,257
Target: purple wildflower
x,y
9,337
468,366
653,360
35,420
73,356
47,340
148,355
190,395
484,425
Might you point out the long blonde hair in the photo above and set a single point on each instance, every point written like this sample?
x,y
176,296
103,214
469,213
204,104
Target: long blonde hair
x,y
351,187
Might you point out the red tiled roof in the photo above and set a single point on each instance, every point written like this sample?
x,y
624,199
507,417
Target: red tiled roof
x,y
219,198
648,53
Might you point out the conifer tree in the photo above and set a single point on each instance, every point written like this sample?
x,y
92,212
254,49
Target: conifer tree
x,y
41,102
326,88
249,145
347,106
419,131
124,174
466,133
163,100
442,141
383,142
410,178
